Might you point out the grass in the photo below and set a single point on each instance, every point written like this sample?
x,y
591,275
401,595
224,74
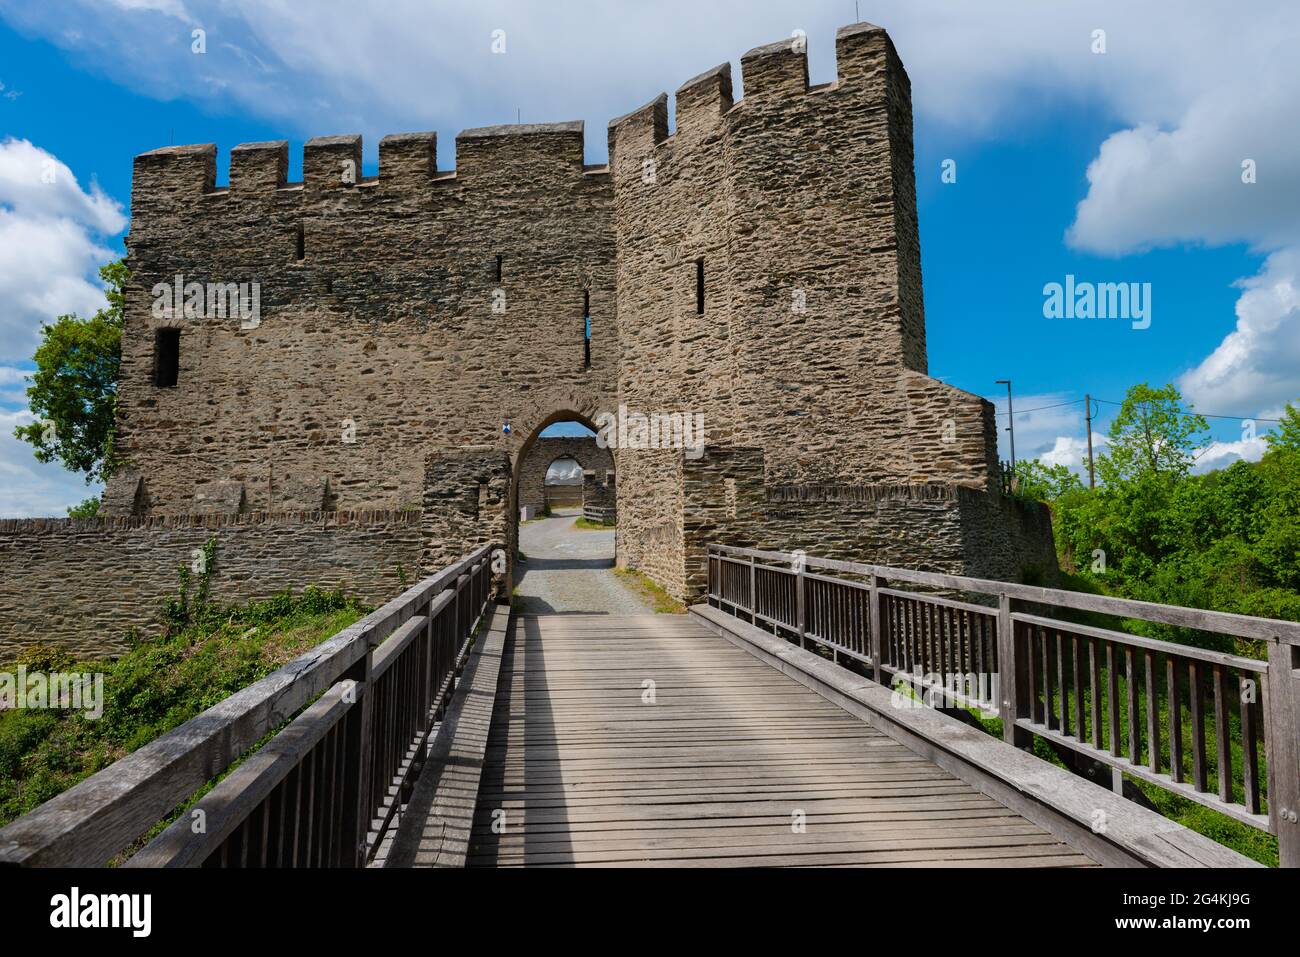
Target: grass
x,y
650,592
158,684
589,526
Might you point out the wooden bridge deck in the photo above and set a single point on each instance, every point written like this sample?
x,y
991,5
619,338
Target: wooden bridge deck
x,y
716,772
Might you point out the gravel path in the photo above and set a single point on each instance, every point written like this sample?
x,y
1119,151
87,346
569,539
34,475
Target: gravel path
x,y
568,570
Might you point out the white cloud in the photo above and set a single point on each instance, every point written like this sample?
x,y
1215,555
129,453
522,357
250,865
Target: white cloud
x,y
1072,452
52,234
1040,419
51,243
315,66
28,487
1219,455
1256,369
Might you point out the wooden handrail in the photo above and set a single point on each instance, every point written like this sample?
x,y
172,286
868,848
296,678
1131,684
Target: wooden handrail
x,y
101,816
1220,622
1050,677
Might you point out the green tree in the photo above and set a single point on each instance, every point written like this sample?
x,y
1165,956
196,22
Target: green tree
x,y
1152,436
74,388
1042,482
1287,435
88,508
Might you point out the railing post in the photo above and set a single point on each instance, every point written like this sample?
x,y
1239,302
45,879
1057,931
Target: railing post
x,y
1010,676
1282,747
799,601
875,637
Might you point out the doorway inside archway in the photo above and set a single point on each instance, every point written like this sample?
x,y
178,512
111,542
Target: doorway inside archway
x,y
565,562
562,485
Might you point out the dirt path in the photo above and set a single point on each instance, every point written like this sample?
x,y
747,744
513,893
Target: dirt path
x,y
568,569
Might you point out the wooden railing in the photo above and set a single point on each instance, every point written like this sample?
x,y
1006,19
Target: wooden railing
x,y
603,515
323,791
1222,730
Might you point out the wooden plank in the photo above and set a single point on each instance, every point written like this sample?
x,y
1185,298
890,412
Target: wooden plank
x,y
1047,795
716,769
436,824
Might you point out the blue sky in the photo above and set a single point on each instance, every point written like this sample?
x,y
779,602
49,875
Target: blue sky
x,y
1122,166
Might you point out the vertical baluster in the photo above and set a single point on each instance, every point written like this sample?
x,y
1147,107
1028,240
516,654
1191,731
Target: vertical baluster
x,y
1076,677
1112,697
1134,739
1063,710
909,638
753,590
1031,647
264,832
936,639
898,633
1048,705
877,629
1094,688
1174,702
1249,744
1153,710
309,829
295,847
283,792
1198,724
935,624
1222,733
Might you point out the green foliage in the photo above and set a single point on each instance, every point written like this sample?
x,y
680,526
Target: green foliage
x,y
157,685
88,508
1151,436
1228,540
1044,483
1287,434
74,388
190,604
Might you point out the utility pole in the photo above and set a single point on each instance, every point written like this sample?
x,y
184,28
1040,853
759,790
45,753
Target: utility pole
x,y
1011,423
1087,400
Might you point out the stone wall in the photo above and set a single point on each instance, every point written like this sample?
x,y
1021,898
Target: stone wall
x,y
391,335
467,503
797,205
545,451
760,267
932,527
80,584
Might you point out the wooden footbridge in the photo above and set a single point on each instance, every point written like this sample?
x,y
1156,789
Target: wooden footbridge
x,y
808,713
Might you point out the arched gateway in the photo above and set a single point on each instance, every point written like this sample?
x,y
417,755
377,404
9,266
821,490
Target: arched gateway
x,y
757,272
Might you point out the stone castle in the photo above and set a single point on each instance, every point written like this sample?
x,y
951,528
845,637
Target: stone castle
x,y
759,267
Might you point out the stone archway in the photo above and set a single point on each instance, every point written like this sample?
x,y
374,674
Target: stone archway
x,y
545,452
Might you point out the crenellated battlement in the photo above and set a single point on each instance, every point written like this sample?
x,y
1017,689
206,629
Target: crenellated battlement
x,y
333,163
773,75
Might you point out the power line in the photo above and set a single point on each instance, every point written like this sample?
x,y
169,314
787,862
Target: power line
x,y
1207,415
1042,407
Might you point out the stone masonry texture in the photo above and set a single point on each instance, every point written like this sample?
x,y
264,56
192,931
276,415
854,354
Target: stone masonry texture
x,y
81,584
416,330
